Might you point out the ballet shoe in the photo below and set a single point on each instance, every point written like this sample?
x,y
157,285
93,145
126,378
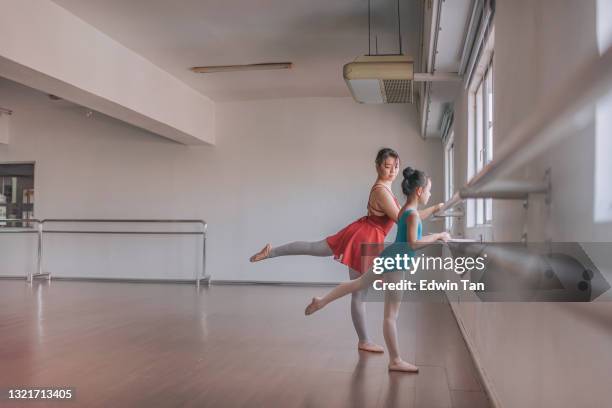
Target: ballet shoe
x,y
404,367
371,347
261,255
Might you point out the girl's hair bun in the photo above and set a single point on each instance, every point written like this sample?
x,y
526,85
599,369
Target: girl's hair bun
x,y
408,172
413,179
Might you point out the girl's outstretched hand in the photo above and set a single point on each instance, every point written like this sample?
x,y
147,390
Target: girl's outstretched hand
x,y
444,236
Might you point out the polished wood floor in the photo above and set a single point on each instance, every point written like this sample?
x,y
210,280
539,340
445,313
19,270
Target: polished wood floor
x,y
166,345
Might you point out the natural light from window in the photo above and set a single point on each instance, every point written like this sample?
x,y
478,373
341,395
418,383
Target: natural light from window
x,y
449,185
480,140
603,124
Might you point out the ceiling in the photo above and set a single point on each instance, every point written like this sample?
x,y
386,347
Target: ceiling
x,y
318,36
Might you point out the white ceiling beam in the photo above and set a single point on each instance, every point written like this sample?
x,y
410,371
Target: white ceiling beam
x,y
47,48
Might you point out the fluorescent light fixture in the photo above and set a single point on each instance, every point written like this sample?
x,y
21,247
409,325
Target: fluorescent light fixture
x,y
247,67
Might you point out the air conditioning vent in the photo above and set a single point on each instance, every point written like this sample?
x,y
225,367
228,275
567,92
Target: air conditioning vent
x,y
380,78
397,91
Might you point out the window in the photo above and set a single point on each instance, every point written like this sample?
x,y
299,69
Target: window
x,y
488,134
480,133
449,185
16,193
483,138
603,124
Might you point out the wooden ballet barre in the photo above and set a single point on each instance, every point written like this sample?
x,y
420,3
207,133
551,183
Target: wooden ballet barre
x,y
565,112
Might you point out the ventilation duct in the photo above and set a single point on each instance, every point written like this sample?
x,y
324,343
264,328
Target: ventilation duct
x,y
381,78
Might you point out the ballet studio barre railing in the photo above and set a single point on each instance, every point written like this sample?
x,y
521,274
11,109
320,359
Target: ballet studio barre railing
x,y
27,230
566,112
41,231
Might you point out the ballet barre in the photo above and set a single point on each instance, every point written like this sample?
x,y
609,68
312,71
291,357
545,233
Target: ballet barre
x,y
41,230
28,230
567,111
500,190
449,214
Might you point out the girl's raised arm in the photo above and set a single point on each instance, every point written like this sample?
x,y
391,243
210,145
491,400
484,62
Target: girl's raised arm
x,y
428,212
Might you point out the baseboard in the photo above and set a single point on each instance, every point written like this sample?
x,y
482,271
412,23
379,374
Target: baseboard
x,y
484,379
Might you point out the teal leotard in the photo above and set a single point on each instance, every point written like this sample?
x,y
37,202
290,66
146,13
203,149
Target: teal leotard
x,y
402,227
400,246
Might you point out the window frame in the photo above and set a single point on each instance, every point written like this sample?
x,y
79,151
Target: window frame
x,y
479,212
449,177
602,199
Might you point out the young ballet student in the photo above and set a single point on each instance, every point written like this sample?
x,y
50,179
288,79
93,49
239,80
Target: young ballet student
x,y
416,186
345,246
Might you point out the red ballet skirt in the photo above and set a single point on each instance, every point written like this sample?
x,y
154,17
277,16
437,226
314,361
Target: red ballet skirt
x,y
350,245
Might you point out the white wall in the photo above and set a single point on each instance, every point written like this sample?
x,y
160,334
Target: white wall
x,y
4,128
281,170
542,355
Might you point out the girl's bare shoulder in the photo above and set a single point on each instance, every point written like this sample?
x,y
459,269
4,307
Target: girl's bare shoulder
x,y
413,216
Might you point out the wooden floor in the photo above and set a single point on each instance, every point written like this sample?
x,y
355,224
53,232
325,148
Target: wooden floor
x,y
166,345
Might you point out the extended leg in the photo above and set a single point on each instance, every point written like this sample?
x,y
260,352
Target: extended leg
x,y
317,248
342,289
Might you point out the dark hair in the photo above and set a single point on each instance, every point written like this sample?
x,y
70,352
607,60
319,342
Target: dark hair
x,y
413,178
384,153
